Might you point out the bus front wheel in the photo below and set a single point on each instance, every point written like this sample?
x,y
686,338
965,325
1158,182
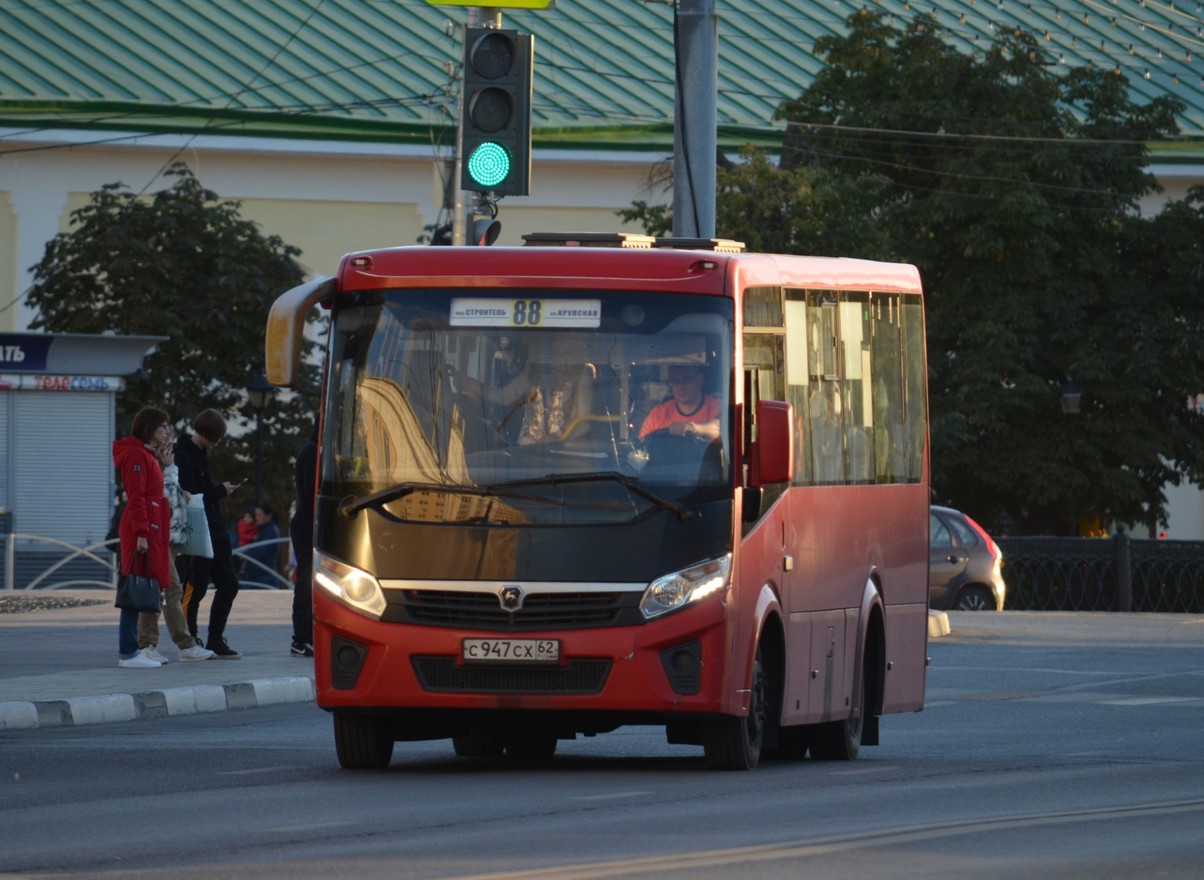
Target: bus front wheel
x,y
363,742
735,743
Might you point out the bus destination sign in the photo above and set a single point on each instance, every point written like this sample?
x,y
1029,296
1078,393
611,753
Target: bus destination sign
x,y
534,313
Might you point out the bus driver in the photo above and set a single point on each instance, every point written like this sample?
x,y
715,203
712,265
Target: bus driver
x,y
689,412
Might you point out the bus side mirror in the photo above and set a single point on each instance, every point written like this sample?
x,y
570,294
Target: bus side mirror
x,y
285,334
771,455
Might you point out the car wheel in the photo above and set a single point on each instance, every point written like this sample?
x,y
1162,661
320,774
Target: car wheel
x,y
975,599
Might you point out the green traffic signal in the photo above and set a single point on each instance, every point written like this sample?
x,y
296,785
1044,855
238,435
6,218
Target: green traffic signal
x,y
489,164
495,121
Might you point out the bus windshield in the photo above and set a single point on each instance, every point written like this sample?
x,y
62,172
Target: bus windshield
x,y
521,407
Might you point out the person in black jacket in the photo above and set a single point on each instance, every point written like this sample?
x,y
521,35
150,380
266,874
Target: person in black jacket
x,y
197,572
301,531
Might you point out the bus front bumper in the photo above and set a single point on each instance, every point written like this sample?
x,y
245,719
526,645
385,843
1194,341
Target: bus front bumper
x,y
675,664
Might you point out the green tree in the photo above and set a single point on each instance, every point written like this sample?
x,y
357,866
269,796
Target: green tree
x,y
810,211
1016,190
182,264
787,211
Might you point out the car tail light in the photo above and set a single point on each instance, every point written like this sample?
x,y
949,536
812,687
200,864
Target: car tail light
x,y
982,533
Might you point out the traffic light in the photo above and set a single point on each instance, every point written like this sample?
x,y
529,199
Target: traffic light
x,y
496,124
485,231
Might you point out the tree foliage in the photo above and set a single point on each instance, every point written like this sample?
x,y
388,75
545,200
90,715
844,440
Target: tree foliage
x,y
1016,190
787,211
184,265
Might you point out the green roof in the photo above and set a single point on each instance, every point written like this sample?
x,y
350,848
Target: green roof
x,y
387,71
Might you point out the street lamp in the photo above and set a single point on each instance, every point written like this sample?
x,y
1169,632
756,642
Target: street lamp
x,y
259,391
1072,402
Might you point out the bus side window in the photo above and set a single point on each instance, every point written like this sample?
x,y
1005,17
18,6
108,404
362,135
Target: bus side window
x,y
855,387
824,403
764,357
915,394
887,389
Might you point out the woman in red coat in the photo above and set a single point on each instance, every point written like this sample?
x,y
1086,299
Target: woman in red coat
x,y
145,529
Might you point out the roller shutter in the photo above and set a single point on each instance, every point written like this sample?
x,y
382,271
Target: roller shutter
x,y
61,465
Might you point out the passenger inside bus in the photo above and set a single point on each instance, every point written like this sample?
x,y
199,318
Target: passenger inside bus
x,y
680,435
688,412
526,403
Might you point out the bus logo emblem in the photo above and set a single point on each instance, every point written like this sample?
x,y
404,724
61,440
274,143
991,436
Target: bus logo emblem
x,y
511,596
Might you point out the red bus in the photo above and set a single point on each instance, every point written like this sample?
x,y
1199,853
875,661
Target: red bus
x,y
563,489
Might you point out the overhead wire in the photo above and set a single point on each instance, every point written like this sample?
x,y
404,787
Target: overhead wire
x,y
216,123
21,296
577,106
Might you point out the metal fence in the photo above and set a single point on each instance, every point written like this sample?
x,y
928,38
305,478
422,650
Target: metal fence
x,y
1042,574
36,562
1113,574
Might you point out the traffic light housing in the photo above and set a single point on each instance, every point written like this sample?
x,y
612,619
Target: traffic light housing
x,y
485,231
495,125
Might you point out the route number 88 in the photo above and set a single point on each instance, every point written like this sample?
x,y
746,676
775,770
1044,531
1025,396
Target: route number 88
x,y
526,313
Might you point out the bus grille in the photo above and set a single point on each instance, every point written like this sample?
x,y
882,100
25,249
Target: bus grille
x,y
442,674
539,611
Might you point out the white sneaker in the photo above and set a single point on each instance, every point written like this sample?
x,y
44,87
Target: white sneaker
x,y
196,652
138,661
152,652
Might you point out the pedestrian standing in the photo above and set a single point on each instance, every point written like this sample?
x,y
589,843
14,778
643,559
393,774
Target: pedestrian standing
x,y
246,530
197,572
190,650
301,532
145,524
265,550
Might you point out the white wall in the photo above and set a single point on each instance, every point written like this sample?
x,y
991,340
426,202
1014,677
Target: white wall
x,y
325,198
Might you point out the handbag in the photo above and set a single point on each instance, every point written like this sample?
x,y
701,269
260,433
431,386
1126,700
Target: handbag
x,y
139,592
196,541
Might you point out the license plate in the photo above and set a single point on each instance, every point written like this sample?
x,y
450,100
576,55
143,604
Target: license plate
x,y
510,651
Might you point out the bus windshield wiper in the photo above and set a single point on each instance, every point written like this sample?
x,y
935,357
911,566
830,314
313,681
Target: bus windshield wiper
x,y
350,506
684,514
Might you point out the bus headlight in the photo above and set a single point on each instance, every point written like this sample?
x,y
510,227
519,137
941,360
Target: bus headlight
x,y
352,586
685,587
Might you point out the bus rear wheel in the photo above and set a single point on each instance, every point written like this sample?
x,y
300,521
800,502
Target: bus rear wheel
x,y
840,740
363,742
793,743
735,743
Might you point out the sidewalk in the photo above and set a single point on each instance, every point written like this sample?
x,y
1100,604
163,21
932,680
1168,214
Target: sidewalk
x,y
58,666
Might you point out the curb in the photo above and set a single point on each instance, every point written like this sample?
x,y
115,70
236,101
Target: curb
x,y
19,715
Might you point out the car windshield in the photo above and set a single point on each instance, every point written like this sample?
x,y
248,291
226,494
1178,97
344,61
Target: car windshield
x,y
528,406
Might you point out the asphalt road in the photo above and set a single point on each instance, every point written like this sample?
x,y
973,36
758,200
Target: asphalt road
x,y
1052,746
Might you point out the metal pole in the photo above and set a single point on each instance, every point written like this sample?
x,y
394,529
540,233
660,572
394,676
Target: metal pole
x,y
1074,512
258,455
695,130
1122,565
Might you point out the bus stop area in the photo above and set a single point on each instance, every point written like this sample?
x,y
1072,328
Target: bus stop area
x,y
58,662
